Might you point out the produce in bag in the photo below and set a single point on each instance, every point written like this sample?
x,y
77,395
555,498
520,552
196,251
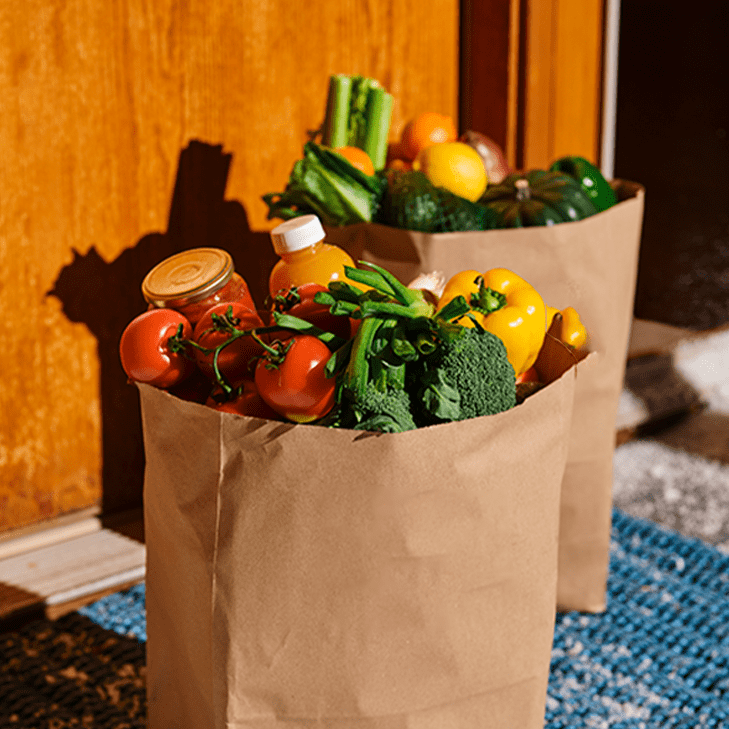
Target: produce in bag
x,y
494,159
591,180
358,565
408,362
326,184
330,180
412,202
466,183
358,114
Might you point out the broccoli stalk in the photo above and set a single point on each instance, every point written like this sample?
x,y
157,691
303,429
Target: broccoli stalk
x,y
372,384
371,372
373,387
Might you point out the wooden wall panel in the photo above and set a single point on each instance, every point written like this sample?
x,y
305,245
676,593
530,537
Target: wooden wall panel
x,y
531,76
578,78
561,67
490,42
131,130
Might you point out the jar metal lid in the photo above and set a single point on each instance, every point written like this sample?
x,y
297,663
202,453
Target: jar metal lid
x,y
297,233
187,277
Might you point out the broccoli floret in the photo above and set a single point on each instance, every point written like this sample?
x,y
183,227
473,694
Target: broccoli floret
x,y
387,412
468,375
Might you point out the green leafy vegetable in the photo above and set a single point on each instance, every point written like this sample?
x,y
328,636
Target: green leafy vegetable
x,y
408,367
324,183
467,376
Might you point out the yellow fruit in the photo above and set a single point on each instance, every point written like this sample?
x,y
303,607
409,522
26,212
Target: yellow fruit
x,y
455,166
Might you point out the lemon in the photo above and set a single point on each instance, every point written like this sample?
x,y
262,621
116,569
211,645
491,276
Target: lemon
x,y
456,166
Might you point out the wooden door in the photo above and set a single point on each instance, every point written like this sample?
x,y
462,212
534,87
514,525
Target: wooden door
x,y
532,77
131,130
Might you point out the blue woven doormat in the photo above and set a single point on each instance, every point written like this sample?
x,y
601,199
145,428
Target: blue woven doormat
x,y
658,657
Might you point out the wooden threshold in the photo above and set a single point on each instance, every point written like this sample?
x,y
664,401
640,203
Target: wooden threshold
x,y
63,568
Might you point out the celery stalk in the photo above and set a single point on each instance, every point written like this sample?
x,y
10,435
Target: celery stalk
x,y
378,114
336,121
358,120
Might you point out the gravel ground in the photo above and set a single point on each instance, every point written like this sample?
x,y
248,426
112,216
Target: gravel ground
x,y
679,476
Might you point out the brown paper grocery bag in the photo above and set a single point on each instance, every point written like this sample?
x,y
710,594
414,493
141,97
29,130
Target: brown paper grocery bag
x,y
304,576
589,264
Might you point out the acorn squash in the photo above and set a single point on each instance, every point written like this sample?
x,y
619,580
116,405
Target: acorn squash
x,y
537,197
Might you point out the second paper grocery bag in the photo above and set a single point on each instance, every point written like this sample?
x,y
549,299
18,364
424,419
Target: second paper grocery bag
x,y
590,265
304,576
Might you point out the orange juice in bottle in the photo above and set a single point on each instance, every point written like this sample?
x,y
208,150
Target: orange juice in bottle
x,y
305,257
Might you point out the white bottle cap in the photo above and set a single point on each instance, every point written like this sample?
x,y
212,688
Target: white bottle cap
x,y
297,233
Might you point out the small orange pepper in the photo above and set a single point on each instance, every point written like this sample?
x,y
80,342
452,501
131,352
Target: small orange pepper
x,y
573,331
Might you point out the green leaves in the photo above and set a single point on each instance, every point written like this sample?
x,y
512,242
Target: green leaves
x,y
327,185
295,324
439,398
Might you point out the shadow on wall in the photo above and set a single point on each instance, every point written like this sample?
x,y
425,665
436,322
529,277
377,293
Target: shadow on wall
x,y
107,296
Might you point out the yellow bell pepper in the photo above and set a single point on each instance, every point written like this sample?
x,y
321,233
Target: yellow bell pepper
x,y
572,331
505,305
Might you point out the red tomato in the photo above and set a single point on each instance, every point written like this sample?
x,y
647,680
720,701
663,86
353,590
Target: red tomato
x,y
145,353
234,360
299,301
298,387
249,402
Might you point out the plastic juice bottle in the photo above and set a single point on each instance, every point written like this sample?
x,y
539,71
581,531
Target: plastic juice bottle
x,y
305,257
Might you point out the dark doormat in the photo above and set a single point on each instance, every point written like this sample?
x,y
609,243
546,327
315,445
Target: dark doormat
x,y
71,673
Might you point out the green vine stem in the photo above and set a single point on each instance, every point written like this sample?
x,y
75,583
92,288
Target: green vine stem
x,y
276,350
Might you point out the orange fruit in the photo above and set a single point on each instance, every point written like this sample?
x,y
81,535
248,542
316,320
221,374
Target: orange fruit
x,y
425,130
357,158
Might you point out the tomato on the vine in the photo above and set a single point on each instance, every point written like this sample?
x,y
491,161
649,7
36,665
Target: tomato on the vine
x,y
293,381
299,301
145,352
235,360
247,402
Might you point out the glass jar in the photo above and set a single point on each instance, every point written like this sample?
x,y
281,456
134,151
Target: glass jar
x,y
194,280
